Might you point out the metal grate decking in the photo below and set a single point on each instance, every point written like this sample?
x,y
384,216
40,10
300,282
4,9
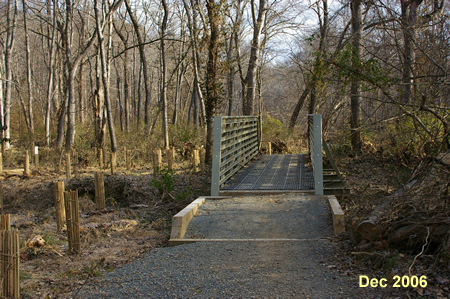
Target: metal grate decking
x,y
273,172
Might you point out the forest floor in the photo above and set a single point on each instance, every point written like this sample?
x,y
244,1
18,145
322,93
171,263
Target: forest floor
x,y
138,220
135,221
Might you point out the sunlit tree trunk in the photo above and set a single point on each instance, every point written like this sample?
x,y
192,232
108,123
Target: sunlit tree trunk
x,y
163,79
51,84
11,13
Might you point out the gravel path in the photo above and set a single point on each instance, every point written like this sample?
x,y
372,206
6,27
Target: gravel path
x,y
240,269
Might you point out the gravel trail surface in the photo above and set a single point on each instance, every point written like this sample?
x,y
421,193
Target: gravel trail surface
x,y
243,268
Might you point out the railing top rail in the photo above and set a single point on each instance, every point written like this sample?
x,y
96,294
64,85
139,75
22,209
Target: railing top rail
x,y
246,116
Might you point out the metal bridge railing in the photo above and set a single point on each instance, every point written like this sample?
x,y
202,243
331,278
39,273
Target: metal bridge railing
x,y
315,150
236,141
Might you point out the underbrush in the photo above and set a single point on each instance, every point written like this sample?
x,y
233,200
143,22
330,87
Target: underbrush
x,y
414,226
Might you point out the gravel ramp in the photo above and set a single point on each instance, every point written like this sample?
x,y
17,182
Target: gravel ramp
x,y
243,268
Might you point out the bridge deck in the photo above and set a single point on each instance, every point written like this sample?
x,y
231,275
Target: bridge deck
x,y
273,172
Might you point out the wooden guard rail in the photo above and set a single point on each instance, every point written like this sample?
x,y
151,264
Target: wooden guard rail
x,y
236,141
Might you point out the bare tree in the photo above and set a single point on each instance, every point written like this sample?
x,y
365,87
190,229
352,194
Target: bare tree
x,y
355,119
140,41
410,21
105,67
52,15
30,122
163,79
197,95
126,84
11,13
258,24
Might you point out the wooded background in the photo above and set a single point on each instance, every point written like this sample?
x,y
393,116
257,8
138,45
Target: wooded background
x,y
378,71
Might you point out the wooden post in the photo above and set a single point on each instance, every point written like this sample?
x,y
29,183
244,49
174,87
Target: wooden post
x,y
202,159
195,160
6,222
10,264
100,158
113,162
169,155
99,190
68,220
1,162
269,148
36,156
124,154
1,198
75,163
128,158
157,159
58,195
27,164
68,167
73,221
104,157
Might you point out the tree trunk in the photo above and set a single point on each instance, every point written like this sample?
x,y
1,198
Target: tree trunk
x,y
2,111
230,78
298,107
163,79
355,119
369,228
144,63
139,92
100,121
120,100
51,83
181,69
29,82
312,98
105,78
126,93
248,105
409,18
192,24
318,63
9,45
212,82
81,105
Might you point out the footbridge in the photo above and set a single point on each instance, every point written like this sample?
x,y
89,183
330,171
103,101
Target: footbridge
x,y
239,167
